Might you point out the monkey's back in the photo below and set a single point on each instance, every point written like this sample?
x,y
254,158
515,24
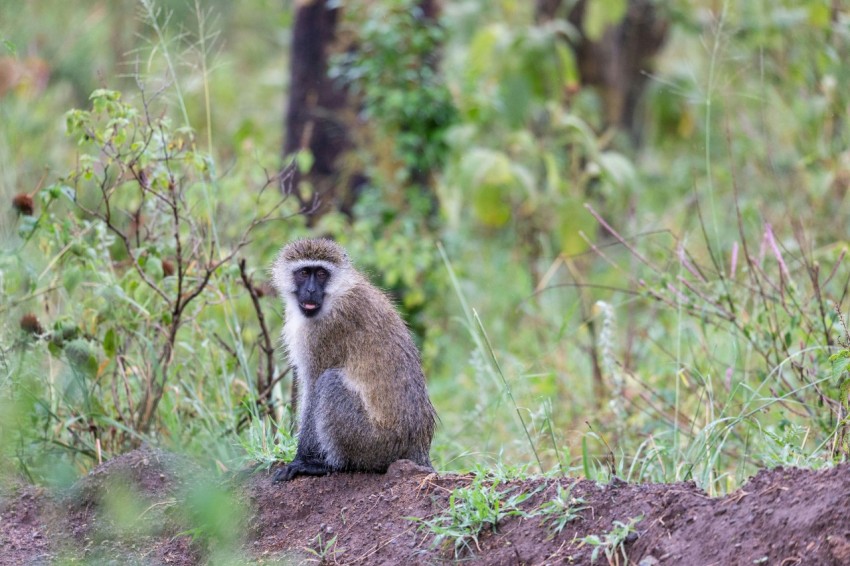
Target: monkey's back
x,y
365,337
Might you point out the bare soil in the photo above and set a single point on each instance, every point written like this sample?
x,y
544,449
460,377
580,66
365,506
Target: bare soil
x,y
780,517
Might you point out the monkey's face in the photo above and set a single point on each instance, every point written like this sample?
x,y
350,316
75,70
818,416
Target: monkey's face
x,y
311,275
310,284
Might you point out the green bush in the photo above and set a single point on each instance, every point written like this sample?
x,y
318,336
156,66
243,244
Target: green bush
x,y
149,286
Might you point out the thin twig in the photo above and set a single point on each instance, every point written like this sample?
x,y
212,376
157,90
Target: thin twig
x,y
620,238
266,344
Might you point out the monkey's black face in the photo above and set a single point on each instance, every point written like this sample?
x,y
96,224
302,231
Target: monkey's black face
x,y
310,289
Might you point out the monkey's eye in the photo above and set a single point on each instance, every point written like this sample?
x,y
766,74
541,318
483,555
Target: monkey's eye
x,y
321,274
302,274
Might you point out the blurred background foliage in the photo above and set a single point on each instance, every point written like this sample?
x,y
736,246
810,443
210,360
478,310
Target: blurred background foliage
x,y
617,224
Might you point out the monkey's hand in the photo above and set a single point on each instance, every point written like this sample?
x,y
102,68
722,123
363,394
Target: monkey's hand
x,y
300,468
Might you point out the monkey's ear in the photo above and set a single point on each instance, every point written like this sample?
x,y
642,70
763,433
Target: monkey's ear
x,y
280,277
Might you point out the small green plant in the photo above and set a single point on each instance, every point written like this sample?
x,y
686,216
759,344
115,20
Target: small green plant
x,y
324,552
839,362
264,442
561,510
472,511
785,446
613,543
502,472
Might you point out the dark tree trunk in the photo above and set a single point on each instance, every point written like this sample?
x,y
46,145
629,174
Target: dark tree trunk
x,y
316,115
424,177
619,62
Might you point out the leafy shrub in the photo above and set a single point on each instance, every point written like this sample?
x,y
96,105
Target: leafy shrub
x,y
146,281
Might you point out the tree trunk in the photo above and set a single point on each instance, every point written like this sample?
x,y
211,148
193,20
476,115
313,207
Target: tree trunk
x,y
316,118
619,62
423,177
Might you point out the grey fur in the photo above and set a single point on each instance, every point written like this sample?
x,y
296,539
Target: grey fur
x,y
363,399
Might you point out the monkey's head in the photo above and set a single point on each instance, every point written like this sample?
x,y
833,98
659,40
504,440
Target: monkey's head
x,y
309,274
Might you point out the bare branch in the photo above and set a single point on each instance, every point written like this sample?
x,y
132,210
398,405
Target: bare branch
x,y
266,344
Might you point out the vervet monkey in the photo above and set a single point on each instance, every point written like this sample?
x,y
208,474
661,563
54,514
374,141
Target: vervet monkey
x,y
362,400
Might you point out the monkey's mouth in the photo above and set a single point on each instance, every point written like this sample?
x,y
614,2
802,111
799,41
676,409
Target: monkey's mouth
x,y
309,309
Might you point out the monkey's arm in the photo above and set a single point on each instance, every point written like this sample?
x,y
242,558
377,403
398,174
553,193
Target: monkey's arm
x,y
309,457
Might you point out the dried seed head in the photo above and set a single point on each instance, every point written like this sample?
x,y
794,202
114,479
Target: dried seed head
x,y
265,288
30,324
167,268
23,204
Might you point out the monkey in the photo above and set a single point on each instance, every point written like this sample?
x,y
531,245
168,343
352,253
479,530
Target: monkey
x,y
362,398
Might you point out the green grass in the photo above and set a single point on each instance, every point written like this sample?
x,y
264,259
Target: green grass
x,y
471,511
561,510
612,543
325,551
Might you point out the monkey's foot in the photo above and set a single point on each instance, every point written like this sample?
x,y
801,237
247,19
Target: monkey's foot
x,y
300,468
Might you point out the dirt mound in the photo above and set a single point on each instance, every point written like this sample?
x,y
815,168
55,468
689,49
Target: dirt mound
x,y
782,516
23,534
119,513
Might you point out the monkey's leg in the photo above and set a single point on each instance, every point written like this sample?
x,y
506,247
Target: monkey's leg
x,y
309,457
349,438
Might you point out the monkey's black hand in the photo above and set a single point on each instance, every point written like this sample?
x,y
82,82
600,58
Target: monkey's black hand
x,y
285,473
300,468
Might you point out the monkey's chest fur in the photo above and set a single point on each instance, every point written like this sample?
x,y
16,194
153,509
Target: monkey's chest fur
x,y
376,355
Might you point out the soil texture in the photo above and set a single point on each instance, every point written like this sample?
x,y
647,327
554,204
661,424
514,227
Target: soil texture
x,y
148,507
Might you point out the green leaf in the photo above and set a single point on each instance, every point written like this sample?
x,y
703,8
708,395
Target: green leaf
x,y
491,206
819,15
304,160
71,277
573,220
106,94
27,226
845,393
569,67
840,360
110,343
516,93
588,137
585,458
490,178
840,355
617,168
553,174
153,267
600,14
481,50
81,358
